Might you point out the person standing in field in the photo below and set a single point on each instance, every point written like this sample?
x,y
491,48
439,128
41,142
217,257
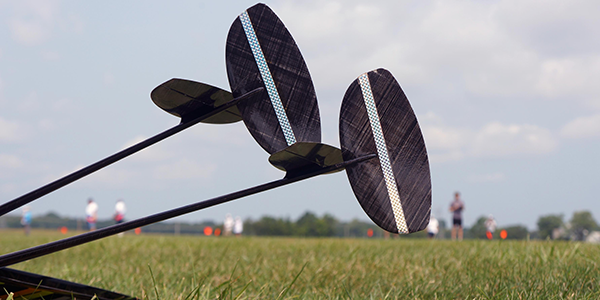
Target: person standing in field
x,y
457,207
26,220
490,225
433,228
91,214
228,225
119,215
238,226
120,210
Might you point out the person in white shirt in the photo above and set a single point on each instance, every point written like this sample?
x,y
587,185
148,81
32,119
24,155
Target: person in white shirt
x,y
433,228
490,225
228,225
91,214
238,226
120,211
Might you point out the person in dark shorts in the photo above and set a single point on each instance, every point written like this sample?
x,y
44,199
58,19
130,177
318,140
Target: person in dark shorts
x,y
457,208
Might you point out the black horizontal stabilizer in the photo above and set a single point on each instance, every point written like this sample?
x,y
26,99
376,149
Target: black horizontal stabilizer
x,y
260,52
303,157
26,285
190,99
395,189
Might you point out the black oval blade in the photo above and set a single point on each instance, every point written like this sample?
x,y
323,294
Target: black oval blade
x,y
400,203
288,112
190,99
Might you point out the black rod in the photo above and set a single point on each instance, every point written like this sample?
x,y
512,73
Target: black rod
x,y
55,185
45,249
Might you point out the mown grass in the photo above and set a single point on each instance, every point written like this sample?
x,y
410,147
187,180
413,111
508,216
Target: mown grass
x,y
265,268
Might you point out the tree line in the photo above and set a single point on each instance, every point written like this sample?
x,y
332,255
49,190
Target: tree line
x,y
551,226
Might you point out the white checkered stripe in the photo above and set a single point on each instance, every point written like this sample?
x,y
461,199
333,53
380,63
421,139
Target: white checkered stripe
x,y
261,62
382,153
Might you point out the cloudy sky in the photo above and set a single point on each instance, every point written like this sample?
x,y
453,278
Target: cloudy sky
x,y
507,94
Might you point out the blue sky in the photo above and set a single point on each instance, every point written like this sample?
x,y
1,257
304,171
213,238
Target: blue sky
x,y
506,93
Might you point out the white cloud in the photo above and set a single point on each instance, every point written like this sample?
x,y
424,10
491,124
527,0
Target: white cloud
x,y
444,137
487,178
10,131
9,165
108,79
107,177
8,161
1,88
73,23
111,177
570,77
8,188
32,21
490,49
184,169
221,134
582,127
50,55
63,104
153,153
445,156
497,139
447,143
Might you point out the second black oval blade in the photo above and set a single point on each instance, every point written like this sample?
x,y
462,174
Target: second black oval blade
x,y
261,52
395,189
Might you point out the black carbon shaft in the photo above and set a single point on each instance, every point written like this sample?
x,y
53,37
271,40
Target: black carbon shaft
x,y
57,184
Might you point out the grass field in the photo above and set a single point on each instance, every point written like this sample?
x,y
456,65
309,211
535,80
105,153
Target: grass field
x,y
265,268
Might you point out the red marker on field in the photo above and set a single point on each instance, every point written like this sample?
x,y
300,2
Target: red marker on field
x,y
489,235
138,231
64,230
503,234
208,230
370,232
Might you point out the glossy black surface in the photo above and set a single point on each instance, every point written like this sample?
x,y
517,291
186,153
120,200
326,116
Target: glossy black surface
x,y
26,285
57,184
290,75
406,149
303,156
190,99
41,250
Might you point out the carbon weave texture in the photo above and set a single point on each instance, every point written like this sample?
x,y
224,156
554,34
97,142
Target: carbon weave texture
x,y
382,153
290,75
189,99
406,148
265,73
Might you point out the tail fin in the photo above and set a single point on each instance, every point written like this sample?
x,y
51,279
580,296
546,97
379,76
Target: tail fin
x,y
395,189
261,52
190,99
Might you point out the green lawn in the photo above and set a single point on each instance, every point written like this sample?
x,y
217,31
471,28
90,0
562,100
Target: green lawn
x,y
265,268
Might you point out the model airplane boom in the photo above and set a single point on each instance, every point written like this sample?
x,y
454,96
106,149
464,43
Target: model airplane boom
x,y
382,148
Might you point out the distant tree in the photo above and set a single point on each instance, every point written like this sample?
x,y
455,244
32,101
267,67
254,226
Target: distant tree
x,y
270,226
547,224
582,223
516,232
357,228
478,230
442,224
443,229
310,225
534,235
